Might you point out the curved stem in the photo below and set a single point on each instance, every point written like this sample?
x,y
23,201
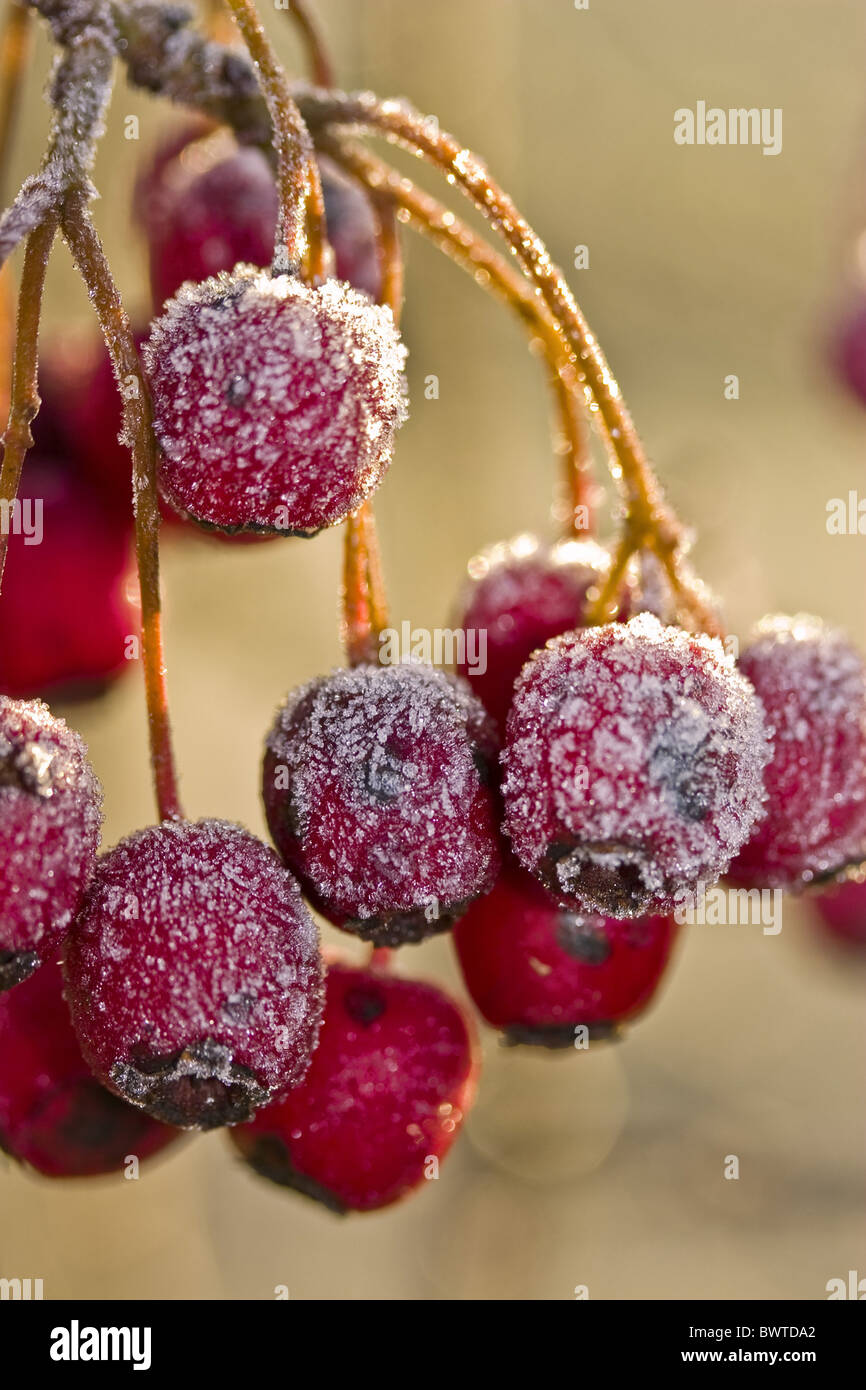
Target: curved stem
x,y
15,43
24,394
297,173
490,270
91,262
318,58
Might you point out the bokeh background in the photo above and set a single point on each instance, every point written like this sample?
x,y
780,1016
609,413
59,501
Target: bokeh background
x,y
604,1170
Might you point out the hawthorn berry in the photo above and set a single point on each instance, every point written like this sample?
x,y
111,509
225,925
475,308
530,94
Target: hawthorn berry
x,y
352,230
54,1114
850,353
275,404
66,612
812,684
193,974
537,971
520,594
634,766
377,790
390,1082
842,911
50,818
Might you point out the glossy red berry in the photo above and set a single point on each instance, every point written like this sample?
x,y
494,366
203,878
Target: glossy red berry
x,y
54,1115
66,612
275,404
536,970
377,790
520,594
812,684
50,817
634,766
383,1101
842,911
193,974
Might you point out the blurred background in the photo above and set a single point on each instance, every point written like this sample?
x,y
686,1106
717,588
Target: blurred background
x,y
604,1170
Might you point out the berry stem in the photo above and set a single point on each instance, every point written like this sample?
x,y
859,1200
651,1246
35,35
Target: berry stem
x,y
24,394
15,43
300,241
318,58
490,270
89,257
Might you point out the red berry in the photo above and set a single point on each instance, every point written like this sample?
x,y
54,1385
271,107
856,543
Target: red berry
x,y
54,1115
193,974
520,594
66,611
850,353
352,230
842,911
634,761
50,817
275,404
390,1082
537,970
812,684
376,784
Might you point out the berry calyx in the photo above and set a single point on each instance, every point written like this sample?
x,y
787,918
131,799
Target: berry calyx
x,y
54,1114
634,765
50,818
66,612
538,971
812,684
193,974
520,594
377,791
390,1082
275,404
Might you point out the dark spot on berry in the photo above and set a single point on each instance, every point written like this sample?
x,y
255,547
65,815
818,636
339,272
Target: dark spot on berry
x,y
364,1004
27,767
16,966
556,1037
238,1008
405,928
269,1157
385,776
238,390
198,1087
584,938
687,773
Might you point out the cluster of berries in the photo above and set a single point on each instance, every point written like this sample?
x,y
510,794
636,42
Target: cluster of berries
x,y
553,810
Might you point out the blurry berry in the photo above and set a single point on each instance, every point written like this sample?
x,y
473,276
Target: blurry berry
x,y
842,911
390,1082
520,594
275,404
65,614
537,971
193,974
851,353
352,230
54,1114
377,792
634,766
812,684
50,817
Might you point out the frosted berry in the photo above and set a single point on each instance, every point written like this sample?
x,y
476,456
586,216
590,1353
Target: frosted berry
x,y
390,1082
275,404
50,817
842,911
54,1115
377,792
193,974
536,970
634,766
812,684
66,613
520,594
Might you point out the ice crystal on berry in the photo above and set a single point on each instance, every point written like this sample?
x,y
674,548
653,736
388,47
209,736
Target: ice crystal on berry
x,y
634,765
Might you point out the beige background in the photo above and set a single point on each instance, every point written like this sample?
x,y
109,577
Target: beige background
x,y
603,1170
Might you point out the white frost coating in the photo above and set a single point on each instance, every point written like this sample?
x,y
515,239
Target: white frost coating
x,y
640,747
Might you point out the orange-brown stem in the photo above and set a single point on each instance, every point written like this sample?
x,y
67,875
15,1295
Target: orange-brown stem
x,y
91,262
24,393
318,58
